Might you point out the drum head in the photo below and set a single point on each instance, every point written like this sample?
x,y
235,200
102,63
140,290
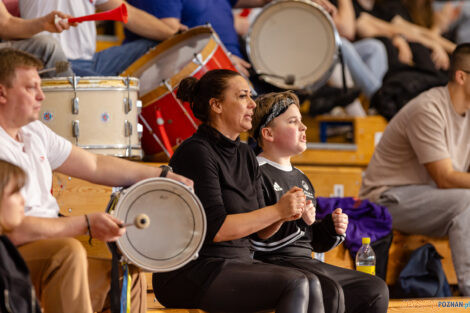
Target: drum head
x,y
177,224
294,39
169,58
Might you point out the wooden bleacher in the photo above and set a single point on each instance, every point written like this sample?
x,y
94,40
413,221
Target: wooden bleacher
x,y
357,151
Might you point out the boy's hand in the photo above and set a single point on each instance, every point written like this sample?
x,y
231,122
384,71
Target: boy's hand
x,y
309,213
340,220
292,204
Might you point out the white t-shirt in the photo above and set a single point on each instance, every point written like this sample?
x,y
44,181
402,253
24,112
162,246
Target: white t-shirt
x,y
40,152
77,42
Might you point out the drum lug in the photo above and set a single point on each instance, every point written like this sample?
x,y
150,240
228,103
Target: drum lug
x,y
75,105
198,59
128,100
76,128
74,81
127,128
127,105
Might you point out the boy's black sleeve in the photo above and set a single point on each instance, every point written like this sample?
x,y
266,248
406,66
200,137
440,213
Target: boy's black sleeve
x,y
324,236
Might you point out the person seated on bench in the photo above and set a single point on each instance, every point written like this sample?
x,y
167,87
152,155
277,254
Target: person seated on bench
x,y
420,168
280,133
18,33
225,278
14,275
58,263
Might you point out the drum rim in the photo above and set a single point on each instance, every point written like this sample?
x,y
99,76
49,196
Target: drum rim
x,y
160,90
64,83
325,76
203,230
138,64
189,70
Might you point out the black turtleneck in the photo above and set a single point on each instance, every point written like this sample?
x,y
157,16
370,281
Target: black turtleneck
x,y
227,181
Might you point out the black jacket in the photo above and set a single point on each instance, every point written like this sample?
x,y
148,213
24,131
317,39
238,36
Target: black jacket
x,y
16,290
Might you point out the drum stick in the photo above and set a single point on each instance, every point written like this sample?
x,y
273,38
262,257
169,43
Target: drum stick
x,y
141,221
163,134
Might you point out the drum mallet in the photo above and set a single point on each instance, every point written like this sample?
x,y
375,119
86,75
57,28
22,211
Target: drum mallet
x,y
141,221
59,67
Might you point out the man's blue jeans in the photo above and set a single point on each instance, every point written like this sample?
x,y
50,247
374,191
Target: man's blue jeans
x,y
112,61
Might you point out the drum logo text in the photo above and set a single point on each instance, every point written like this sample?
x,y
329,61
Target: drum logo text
x,y
105,117
48,116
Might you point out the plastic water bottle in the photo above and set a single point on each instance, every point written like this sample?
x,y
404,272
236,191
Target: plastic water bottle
x,y
365,257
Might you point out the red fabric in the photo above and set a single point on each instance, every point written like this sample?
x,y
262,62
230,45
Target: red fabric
x,y
12,7
245,12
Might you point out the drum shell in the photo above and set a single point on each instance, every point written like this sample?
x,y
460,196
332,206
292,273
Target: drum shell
x,y
106,123
294,38
191,53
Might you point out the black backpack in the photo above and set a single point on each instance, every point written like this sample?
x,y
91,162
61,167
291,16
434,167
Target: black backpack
x,y
423,275
402,84
16,290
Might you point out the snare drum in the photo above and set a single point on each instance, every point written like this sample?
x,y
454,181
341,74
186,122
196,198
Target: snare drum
x,y
160,70
177,225
95,113
293,40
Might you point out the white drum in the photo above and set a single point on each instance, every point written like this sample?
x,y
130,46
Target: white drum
x,y
177,225
293,44
94,113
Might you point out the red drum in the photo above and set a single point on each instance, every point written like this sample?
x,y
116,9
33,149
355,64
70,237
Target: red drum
x,y
160,70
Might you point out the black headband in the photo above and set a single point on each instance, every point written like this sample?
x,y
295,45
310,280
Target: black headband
x,y
277,109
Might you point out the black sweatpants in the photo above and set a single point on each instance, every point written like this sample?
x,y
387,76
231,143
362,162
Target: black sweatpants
x,y
343,290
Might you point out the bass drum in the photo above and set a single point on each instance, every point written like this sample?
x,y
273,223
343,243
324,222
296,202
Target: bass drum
x,y
293,44
192,53
177,225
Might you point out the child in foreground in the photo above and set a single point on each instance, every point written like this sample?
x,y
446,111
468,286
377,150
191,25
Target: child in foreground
x,y
280,133
16,290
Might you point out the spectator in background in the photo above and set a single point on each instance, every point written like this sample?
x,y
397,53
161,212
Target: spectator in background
x,y
366,59
420,168
18,33
448,18
80,43
416,45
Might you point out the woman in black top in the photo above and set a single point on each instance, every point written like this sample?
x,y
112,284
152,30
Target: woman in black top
x,y
225,278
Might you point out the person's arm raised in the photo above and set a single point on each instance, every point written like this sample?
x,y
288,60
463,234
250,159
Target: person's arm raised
x,y
12,27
